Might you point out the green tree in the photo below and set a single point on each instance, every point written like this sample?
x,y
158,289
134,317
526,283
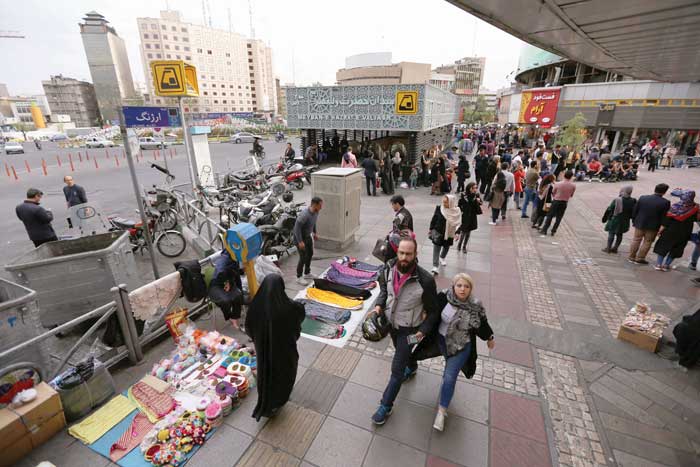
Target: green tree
x,y
478,112
573,132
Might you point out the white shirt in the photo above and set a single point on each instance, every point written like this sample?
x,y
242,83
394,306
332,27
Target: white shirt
x,y
447,315
510,181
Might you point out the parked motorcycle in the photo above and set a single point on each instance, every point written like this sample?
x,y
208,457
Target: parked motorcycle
x,y
170,243
255,209
293,175
278,238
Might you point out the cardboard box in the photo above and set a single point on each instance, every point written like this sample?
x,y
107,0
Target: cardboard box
x,y
639,338
15,452
31,425
11,428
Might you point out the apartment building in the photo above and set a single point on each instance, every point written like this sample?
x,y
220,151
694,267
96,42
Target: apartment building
x,y
72,97
235,74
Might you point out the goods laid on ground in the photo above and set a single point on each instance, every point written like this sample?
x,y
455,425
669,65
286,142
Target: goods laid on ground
x,y
338,300
31,420
165,417
643,328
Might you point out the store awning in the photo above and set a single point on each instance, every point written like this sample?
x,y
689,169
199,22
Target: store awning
x,y
645,39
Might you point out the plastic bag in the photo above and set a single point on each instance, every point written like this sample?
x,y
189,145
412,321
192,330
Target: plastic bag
x,y
177,322
265,266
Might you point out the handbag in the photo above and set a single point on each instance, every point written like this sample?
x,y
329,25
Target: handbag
x,y
606,215
381,250
488,196
547,207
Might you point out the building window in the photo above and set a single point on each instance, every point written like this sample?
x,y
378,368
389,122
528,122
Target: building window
x,y
149,55
231,86
215,101
240,94
159,56
185,39
167,46
177,47
145,35
173,28
223,93
175,38
148,46
154,26
208,52
165,36
228,54
157,46
228,63
155,36
179,57
249,45
205,93
239,87
214,93
199,51
187,57
157,101
223,101
162,26
168,56
186,49
183,29
213,78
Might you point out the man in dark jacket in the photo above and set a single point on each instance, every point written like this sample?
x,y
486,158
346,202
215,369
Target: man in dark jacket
x,y
371,167
36,219
75,194
304,235
403,220
481,162
408,299
647,216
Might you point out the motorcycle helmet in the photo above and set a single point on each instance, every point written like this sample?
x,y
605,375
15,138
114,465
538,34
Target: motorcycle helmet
x,y
288,196
375,327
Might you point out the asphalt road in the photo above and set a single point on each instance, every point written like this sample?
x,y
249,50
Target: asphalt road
x,y
105,176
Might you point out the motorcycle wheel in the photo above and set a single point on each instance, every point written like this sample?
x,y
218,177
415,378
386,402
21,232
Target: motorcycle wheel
x,y
171,243
271,170
168,219
298,184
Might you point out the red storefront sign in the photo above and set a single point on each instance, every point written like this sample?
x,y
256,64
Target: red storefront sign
x,y
539,107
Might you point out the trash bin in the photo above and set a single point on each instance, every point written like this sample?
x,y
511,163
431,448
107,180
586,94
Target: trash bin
x,y
72,277
19,322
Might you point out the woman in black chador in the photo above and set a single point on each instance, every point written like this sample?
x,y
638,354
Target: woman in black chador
x,y
274,324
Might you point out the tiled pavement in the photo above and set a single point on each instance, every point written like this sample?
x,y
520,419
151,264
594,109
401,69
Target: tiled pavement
x,y
558,389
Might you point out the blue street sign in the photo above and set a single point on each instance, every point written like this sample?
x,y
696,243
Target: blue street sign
x,y
151,117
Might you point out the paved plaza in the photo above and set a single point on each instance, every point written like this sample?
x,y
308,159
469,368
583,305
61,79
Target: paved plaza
x,y
557,389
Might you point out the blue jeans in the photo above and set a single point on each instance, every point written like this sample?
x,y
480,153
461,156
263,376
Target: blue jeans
x,y
403,358
664,261
695,255
453,365
530,195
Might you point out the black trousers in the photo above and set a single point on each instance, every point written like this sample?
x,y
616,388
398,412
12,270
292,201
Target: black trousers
x,y
403,358
371,182
305,255
463,240
486,184
38,243
556,211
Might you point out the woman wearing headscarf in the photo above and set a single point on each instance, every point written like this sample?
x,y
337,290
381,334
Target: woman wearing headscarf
x,y
396,167
274,323
463,319
498,195
438,175
544,200
470,205
225,288
388,175
618,215
443,228
675,231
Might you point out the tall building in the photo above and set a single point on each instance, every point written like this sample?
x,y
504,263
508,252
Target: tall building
x,y
109,65
377,68
443,81
74,98
468,75
234,73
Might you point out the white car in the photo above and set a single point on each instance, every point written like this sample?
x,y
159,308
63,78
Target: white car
x,y
244,137
152,143
13,147
99,143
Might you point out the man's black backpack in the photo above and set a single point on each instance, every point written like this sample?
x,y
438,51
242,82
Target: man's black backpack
x,y
194,288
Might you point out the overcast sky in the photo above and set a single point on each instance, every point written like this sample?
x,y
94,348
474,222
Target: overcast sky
x,y
318,34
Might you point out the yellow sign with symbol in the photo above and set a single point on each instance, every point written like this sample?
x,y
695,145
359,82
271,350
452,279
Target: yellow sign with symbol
x,y
173,78
406,102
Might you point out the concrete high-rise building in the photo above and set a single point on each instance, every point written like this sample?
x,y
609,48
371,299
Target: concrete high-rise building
x,y
109,65
72,97
469,77
377,68
234,73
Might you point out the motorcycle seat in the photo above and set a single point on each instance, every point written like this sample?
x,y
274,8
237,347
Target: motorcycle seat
x,y
124,223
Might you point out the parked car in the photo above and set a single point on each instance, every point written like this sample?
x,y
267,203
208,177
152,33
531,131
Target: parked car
x,y
13,147
149,142
243,137
58,137
99,143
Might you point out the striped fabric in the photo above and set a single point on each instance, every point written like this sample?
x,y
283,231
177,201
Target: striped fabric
x,y
131,438
333,299
328,314
348,271
339,278
154,404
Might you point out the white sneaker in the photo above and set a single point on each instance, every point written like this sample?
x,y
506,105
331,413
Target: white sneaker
x,y
309,276
439,423
435,270
493,223
302,281
443,262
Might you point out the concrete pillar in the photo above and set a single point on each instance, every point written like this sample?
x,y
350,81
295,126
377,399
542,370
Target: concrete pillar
x,y
634,133
616,139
